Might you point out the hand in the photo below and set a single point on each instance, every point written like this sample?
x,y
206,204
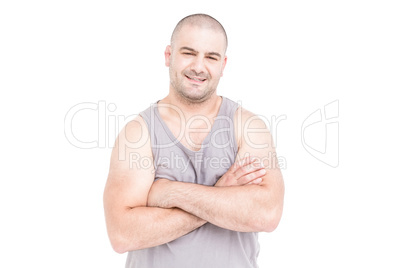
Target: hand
x,y
159,194
246,171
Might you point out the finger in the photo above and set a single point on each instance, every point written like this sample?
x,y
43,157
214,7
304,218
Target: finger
x,y
244,170
246,161
242,162
256,181
250,177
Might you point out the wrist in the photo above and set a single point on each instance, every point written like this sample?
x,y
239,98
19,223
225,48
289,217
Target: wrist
x,y
158,195
168,191
171,193
164,193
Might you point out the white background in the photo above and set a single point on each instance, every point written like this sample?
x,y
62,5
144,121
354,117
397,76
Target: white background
x,y
284,58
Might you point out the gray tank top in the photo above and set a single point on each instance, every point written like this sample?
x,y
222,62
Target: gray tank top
x,y
208,246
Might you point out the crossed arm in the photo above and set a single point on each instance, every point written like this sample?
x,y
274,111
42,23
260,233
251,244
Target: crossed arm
x,y
140,213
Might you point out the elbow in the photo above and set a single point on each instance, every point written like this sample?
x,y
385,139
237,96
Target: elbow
x,y
118,245
121,245
267,222
121,239
270,225
119,249
263,225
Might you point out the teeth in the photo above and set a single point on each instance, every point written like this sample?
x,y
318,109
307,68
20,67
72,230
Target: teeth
x,y
196,79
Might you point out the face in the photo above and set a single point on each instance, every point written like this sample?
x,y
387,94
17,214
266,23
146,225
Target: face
x,y
196,61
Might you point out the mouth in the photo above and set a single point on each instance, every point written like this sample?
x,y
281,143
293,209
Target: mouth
x,y
196,79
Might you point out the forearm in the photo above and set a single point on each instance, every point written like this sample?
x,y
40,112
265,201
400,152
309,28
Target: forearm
x,y
144,227
239,208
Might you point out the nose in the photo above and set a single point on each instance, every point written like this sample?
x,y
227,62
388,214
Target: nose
x,y
198,65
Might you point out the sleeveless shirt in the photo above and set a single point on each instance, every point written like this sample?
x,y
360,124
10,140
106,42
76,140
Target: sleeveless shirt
x,y
208,246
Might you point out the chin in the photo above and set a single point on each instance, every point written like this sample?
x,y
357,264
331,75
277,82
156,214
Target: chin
x,y
198,98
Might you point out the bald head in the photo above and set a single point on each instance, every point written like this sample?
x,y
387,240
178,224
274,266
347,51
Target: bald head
x,y
199,20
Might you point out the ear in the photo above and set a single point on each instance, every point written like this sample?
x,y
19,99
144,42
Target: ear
x,y
224,64
168,53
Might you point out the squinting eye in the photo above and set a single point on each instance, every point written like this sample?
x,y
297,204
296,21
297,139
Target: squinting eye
x,y
212,58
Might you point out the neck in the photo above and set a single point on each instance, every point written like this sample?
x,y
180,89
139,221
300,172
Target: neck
x,y
208,107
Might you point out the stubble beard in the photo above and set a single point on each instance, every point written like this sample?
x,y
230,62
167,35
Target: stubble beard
x,y
186,96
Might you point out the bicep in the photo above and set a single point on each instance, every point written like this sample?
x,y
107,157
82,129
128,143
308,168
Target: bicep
x,y
129,182
256,141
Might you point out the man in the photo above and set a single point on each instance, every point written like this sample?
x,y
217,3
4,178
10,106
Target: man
x,y
214,183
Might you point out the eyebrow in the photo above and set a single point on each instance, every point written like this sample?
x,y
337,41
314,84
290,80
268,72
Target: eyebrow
x,y
208,53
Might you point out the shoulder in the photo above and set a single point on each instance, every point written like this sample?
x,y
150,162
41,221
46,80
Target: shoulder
x,y
133,139
249,125
134,130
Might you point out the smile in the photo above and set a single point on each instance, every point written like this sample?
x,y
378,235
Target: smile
x,y
196,79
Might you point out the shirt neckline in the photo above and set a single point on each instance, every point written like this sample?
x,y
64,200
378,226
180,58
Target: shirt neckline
x,y
204,143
